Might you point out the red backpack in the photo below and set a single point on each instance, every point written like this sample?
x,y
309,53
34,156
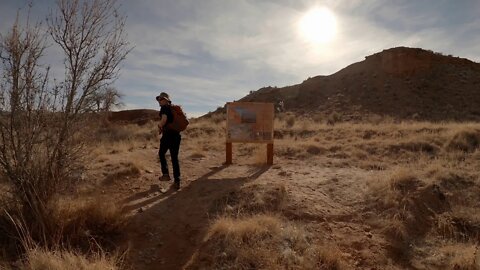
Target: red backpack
x,y
180,121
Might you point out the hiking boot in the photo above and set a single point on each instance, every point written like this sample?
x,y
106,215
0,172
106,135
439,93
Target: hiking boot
x,y
164,177
176,185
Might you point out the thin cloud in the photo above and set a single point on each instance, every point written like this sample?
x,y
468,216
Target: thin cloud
x,y
206,53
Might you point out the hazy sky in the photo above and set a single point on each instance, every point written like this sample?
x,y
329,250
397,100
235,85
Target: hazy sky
x,y
207,52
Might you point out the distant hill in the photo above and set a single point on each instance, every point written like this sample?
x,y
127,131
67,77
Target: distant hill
x,y
403,83
140,117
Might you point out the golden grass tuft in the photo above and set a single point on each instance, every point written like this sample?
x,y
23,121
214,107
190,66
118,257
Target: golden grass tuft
x,y
128,169
38,259
462,256
253,199
466,140
262,242
404,180
83,219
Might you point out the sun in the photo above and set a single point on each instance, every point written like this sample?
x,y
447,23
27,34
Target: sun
x,y
318,25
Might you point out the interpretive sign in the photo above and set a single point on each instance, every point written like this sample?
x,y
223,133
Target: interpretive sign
x,y
249,122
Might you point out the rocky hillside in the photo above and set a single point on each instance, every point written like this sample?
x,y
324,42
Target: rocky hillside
x,y
403,83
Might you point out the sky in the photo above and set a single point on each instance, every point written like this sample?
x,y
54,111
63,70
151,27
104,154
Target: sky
x,y
205,53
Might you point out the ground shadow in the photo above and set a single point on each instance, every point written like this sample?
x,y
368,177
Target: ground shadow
x,y
166,234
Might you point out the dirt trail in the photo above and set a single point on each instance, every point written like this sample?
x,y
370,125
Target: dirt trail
x,y
167,228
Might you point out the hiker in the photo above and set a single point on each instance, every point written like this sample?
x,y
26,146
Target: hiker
x,y
280,107
170,140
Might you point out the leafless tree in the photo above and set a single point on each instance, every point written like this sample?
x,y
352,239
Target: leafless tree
x,y
41,122
91,34
23,95
106,99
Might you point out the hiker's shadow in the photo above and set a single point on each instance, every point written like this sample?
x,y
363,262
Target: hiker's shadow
x,y
156,193
179,220
153,194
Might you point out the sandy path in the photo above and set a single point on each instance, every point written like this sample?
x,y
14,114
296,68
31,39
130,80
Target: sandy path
x,y
166,228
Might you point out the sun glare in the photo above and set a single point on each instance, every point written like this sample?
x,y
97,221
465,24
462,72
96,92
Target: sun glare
x,y
318,25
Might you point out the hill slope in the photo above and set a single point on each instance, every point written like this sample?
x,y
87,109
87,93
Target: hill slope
x,y
402,83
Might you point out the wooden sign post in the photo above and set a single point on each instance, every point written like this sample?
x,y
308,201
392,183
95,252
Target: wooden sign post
x,y
249,122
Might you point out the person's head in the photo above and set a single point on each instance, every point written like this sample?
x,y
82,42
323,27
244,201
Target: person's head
x,y
163,99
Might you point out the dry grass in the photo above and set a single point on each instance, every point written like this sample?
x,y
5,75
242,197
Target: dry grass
x,y
263,242
125,170
117,138
461,256
425,187
83,230
250,233
38,259
415,202
252,199
81,220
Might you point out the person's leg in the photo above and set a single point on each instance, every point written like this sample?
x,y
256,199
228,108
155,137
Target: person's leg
x,y
174,149
161,154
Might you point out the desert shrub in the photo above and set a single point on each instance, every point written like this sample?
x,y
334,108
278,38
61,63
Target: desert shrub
x,y
38,259
315,150
290,121
333,118
262,242
467,140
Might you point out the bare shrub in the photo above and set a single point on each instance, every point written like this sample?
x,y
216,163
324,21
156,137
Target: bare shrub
x,y
42,127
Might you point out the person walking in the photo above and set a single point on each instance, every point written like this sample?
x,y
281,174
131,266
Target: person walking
x,y
170,140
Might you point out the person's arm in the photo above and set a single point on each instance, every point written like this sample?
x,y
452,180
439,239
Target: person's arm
x,y
162,123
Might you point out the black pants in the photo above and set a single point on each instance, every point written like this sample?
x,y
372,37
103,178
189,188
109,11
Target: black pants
x,y
170,141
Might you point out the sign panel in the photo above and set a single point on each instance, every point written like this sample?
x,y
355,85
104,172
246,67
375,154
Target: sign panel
x,y
250,122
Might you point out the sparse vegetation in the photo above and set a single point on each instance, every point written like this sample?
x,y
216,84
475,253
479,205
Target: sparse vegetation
x,y
44,125
37,259
278,245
